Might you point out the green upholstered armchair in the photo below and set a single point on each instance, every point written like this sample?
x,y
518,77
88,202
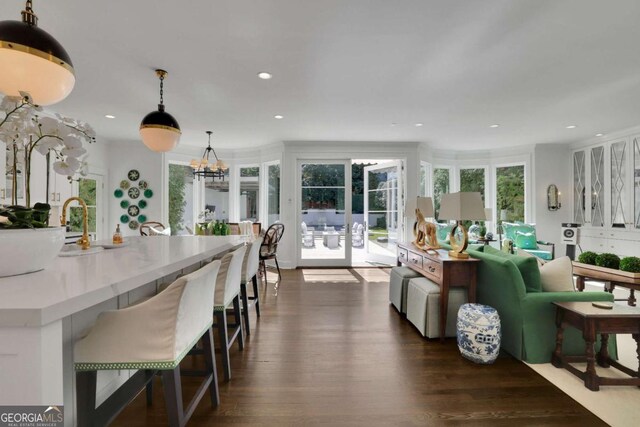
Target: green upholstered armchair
x,y
527,314
523,237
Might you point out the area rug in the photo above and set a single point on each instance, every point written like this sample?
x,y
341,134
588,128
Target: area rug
x,y
618,406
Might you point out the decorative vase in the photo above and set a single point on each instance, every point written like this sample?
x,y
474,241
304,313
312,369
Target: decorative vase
x,y
478,332
28,250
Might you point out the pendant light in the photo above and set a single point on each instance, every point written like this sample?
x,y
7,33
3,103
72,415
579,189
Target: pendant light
x,y
159,130
209,169
32,61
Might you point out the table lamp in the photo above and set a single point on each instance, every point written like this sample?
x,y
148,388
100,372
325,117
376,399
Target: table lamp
x,y
459,207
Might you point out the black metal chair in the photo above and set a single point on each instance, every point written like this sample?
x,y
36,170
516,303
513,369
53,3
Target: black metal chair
x,y
269,248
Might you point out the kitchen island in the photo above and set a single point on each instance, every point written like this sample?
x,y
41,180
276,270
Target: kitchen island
x,y
42,314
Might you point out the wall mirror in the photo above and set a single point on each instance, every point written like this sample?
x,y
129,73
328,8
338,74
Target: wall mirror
x,y
553,198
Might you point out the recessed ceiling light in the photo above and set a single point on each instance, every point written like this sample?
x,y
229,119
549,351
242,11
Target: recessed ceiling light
x,y
394,124
109,116
264,75
599,134
278,116
572,127
494,126
419,125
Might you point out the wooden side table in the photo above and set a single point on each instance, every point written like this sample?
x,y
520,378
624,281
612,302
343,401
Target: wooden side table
x,y
444,271
591,321
611,277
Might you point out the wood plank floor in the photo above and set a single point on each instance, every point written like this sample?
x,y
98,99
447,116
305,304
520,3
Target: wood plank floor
x,y
329,349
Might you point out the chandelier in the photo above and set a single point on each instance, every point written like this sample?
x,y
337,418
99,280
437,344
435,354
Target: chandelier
x,y
206,169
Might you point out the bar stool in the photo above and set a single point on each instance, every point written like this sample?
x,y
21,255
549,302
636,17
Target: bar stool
x,y
228,294
250,272
152,336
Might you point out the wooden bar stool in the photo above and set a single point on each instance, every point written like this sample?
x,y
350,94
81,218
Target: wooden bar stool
x,y
250,272
152,336
227,295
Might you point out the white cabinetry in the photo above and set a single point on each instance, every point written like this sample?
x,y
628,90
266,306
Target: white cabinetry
x,y
3,176
606,196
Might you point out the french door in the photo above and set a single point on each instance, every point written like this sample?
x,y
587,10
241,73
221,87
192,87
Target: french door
x,y
383,200
324,213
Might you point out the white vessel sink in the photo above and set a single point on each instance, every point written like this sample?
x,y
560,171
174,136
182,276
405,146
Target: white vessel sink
x,y
76,250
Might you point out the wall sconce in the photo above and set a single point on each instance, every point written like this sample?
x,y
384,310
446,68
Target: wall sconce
x,y
553,198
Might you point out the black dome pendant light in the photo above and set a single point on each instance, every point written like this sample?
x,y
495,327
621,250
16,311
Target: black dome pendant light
x,y
159,130
32,61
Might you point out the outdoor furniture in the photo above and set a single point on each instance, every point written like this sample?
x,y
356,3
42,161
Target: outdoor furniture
x,y
308,240
357,239
478,332
423,307
269,248
331,239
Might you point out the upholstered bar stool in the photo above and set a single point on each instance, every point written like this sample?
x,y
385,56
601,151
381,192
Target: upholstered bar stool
x,y
250,273
227,295
398,282
152,336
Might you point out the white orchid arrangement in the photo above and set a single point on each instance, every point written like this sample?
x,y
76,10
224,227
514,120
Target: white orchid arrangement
x,y
24,131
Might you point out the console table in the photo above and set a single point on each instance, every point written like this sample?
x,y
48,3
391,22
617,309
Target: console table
x,y
444,271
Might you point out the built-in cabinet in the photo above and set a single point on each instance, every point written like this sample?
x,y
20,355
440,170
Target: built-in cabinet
x,y
606,196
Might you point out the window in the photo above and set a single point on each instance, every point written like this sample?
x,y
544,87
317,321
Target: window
x,y
472,180
249,193
87,191
216,198
440,186
273,193
510,193
181,204
424,186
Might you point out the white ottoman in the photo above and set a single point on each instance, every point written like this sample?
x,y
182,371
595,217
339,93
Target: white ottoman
x,y
479,333
398,282
423,307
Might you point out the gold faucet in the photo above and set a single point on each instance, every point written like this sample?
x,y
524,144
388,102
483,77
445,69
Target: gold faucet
x,y
84,240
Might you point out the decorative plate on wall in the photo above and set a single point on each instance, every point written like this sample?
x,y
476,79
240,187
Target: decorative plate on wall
x,y
142,204
133,225
124,204
133,175
124,184
148,193
134,193
143,184
124,219
142,218
133,210
118,193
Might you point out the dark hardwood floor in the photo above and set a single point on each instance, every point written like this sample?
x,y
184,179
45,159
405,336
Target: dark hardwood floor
x,y
329,349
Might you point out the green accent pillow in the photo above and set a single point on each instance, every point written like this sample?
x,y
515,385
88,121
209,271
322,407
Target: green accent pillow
x,y
528,268
526,240
510,229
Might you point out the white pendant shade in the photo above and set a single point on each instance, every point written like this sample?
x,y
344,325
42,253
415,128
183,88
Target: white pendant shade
x,y
159,139
46,81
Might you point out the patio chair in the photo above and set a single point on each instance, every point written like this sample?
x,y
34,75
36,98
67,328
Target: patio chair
x,y
307,236
357,239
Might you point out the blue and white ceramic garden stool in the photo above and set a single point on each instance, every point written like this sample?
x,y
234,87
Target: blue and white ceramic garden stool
x,y
478,331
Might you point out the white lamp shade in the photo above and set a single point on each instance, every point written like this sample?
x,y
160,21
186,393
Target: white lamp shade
x,y
159,139
462,206
47,82
425,204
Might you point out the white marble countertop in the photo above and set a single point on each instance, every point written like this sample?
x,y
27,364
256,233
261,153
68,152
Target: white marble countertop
x,y
73,284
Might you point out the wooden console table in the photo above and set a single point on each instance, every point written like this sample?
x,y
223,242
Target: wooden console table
x,y
612,278
444,271
592,321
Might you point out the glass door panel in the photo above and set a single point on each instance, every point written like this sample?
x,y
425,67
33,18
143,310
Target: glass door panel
x,y
618,184
325,213
383,222
597,186
636,180
578,187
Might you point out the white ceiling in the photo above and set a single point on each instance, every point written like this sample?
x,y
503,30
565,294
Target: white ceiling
x,y
345,70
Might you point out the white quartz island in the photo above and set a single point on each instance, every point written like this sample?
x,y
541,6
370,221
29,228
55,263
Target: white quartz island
x,y
43,313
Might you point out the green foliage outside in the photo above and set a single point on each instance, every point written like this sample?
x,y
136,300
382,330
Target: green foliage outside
x,y
177,202
440,187
631,264
608,260
87,191
588,257
510,192
274,189
472,180
253,171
